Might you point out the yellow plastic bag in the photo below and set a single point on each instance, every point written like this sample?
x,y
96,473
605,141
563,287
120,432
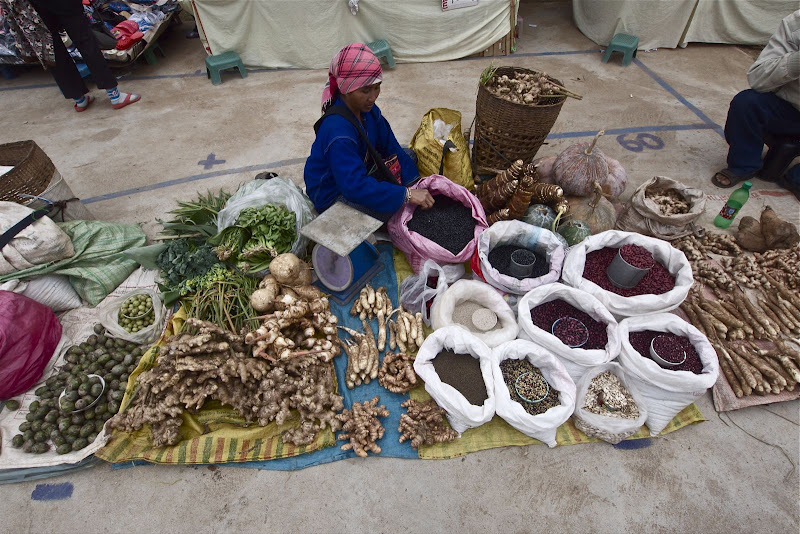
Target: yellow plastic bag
x,y
457,166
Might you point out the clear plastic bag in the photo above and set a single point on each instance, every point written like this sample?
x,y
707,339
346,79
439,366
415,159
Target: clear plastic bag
x,y
417,296
275,192
109,317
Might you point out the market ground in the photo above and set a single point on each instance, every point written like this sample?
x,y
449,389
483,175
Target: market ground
x,y
734,473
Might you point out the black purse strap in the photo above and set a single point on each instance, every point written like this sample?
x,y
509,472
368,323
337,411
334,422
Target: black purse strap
x,y
383,174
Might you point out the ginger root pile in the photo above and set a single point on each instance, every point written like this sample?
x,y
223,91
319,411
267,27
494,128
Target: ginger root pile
x,y
362,427
206,362
528,88
397,372
669,202
424,424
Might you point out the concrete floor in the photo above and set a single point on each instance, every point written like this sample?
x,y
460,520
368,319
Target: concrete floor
x,y
730,474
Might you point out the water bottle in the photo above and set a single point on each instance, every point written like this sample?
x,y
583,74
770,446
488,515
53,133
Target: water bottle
x,y
732,206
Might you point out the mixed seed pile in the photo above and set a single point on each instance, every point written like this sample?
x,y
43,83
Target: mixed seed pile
x,y
513,369
500,259
607,396
657,281
67,423
448,223
463,372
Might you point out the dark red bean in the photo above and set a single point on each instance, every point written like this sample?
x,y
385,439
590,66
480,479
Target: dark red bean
x,y
570,331
639,257
675,346
544,315
657,281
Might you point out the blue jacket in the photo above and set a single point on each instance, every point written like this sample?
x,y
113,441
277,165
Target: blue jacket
x,y
337,166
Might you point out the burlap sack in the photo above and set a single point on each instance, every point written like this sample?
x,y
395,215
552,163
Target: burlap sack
x,y
641,215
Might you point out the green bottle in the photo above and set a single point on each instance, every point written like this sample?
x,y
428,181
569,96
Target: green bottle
x,y
732,206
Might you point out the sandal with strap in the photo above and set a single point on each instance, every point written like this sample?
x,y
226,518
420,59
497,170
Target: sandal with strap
x,y
733,179
130,98
84,108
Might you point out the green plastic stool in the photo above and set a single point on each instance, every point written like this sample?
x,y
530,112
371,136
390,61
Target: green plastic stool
x,y
381,49
622,42
220,62
150,54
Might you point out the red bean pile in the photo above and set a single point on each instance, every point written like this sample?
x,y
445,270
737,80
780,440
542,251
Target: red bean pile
x,y
544,315
656,282
637,256
463,372
673,353
570,331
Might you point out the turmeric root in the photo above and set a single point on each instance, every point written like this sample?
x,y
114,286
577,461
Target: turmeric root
x,y
360,425
397,372
424,424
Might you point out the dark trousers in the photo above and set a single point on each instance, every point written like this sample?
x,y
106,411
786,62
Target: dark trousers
x,y
65,72
751,115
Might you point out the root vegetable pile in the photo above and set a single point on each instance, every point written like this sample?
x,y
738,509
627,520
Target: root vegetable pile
x,y
406,331
206,362
397,372
362,428
449,224
671,350
67,423
530,89
362,356
463,372
500,259
657,281
607,396
546,314
513,369
669,202
424,424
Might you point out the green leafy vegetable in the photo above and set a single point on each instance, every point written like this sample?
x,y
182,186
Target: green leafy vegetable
x,y
198,217
184,259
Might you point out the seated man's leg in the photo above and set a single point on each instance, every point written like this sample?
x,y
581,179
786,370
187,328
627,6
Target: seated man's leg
x,y
750,116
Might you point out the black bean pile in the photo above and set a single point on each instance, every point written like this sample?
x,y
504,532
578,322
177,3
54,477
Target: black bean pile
x,y
448,223
544,315
657,281
500,258
463,372
512,369
677,344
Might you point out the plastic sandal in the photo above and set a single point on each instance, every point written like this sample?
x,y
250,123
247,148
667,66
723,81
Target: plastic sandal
x,y
130,98
733,179
84,108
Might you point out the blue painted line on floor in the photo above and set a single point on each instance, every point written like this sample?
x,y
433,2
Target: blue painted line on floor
x,y
703,117
634,444
632,130
52,492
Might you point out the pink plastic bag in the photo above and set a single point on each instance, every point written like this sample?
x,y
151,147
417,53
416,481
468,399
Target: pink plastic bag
x,y
418,248
29,334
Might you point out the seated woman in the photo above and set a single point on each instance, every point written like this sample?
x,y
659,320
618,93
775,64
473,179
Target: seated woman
x,y
354,143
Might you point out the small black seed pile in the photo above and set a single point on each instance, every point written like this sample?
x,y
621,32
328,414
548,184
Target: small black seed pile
x,y
463,372
512,369
448,223
500,258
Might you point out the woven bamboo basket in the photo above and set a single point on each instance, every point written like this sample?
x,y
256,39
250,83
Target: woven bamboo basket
x,y
31,174
506,131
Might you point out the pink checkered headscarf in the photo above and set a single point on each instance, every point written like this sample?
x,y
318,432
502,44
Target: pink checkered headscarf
x,y
354,67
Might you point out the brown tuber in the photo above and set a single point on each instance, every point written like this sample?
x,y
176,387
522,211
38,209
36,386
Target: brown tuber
x,y
424,424
362,428
397,372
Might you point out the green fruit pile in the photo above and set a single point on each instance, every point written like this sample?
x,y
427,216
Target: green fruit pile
x,y
50,421
136,313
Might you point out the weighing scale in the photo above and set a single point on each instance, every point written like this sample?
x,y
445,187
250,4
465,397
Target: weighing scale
x,y
342,258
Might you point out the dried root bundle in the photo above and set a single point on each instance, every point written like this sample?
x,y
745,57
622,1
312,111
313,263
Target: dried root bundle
x,y
362,428
206,362
397,372
424,424
531,89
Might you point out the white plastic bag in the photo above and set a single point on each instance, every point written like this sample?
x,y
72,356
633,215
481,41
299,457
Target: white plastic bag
x,y
607,428
53,290
41,242
109,317
543,426
666,392
460,413
671,258
414,292
276,192
483,294
520,234
576,360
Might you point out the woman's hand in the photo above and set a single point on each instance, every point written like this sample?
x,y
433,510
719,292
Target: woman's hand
x,y
421,198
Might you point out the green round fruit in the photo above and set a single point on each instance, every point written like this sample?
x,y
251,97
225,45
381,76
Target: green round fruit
x,y
67,406
12,405
40,390
58,440
113,407
64,448
98,425
74,431
17,441
28,445
28,434
86,429
34,406
41,448
79,444
40,437
24,426
37,425
78,418
81,403
52,416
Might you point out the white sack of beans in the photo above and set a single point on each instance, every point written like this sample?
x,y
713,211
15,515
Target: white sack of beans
x,y
576,360
666,392
524,235
483,295
414,292
608,428
671,258
460,413
543,426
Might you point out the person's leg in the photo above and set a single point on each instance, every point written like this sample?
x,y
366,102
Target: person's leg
x,y
750,116
80,32
65,72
